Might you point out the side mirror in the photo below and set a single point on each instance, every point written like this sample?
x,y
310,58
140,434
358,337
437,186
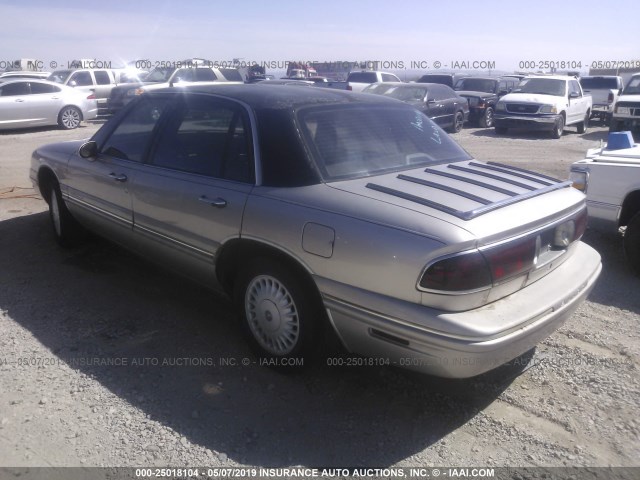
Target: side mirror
x,y
574,95
431,102
73,83
89,150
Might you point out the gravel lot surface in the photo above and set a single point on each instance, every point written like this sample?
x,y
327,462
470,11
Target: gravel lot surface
x,y
172,401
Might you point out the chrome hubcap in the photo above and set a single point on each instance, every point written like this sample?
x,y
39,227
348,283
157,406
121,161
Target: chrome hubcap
x,y
70,118
272,315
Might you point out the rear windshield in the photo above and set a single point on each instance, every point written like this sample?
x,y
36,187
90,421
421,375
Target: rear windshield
x,y
599,82
362,77
59,76
350,141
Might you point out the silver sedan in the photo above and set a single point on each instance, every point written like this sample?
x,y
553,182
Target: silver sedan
x,y
320,211
28,103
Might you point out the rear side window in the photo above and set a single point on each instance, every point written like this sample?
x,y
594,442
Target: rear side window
x,y
231,74
130,139
102,77
206,137
599,83
13,89
43,88
82,79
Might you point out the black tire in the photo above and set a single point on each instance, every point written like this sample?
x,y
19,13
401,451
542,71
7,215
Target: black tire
x,y
501,130
487,119
69,117
66,229
458,121
631,243
266,294
558,127
584,124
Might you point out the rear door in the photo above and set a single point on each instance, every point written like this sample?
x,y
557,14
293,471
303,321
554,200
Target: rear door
x,y
191,196
46,102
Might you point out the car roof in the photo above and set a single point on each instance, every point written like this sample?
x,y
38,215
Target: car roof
x,y
552,77
280,97
6,80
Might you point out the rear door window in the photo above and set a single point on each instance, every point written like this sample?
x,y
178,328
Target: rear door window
x,y
102,77
14,89
82,79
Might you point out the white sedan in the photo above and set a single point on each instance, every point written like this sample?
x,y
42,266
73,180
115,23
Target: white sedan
x,y
27,102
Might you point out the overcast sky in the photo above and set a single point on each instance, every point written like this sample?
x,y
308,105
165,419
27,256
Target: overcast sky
x,y
503,32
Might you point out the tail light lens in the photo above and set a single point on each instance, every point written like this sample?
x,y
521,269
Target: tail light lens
x,y
460,273
91,97
481,269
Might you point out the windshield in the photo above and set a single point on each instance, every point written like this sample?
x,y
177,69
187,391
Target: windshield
x,y
543,86
477,85
160,74
350,141
599,83
633,87
59,76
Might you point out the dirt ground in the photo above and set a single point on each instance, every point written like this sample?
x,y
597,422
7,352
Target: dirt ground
x,y
186,391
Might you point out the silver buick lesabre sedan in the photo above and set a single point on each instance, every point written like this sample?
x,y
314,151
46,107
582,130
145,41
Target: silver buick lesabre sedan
x,y
320,209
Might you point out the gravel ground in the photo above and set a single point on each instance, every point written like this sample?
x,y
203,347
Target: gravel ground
x,y
186,390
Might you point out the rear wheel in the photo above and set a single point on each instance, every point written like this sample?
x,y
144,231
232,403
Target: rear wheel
x,y
487,119
278,312
66,229
584,124
458,120
69,118
632,242
558,127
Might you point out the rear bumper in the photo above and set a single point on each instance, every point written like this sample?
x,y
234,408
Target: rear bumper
x,y
400,332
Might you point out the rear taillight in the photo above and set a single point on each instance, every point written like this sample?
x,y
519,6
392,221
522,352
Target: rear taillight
x,y
91,97
350,88
511,259
481,269
459,273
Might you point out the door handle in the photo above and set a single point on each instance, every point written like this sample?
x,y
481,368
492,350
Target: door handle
x,y
218,202
118,178
19,100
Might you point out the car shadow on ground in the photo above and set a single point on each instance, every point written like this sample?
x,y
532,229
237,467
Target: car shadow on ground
x,y
615,271
47,128
188,368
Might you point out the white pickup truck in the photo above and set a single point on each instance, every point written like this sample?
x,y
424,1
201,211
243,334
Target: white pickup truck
x,y
610,177
604,91
544,103
626,113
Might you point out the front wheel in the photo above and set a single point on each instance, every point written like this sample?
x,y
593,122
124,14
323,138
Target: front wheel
x,y
487,119
69,118
278,313
67,231
632,242
558,127
584,124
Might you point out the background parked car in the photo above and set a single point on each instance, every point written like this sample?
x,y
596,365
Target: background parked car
x,y
98,81
33,103
358,81
482,94
438,102
195,71
604,91
24,74
448,79
626,113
